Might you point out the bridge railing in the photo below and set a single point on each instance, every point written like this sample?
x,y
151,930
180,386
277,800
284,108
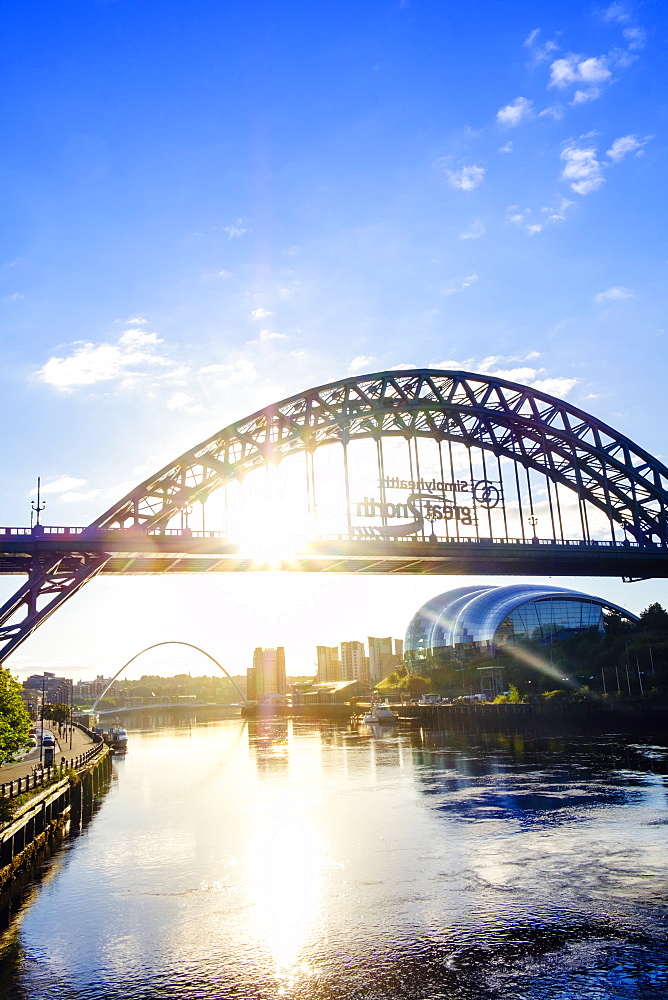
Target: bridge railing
x,y
68,531
467,540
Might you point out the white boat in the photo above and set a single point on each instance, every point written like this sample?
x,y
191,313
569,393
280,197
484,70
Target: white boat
x,y
380,715
117,739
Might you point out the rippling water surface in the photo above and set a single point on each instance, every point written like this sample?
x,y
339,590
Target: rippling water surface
x,y
307,861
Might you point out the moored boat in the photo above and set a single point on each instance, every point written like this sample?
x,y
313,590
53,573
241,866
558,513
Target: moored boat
x,y
380,715
117,738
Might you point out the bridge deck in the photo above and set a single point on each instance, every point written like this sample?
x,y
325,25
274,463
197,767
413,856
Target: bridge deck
x,y
189,552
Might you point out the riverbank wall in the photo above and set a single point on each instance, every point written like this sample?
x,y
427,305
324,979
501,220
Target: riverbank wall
x,y
34,820
552,718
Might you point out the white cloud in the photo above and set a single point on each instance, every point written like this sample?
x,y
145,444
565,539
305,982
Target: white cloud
x,y
235,230
59,485
615,12
584,96
522,374
620,147
635,37
182,401
86,366
467,178
74,496
582,169
554,111
240,372
497,366
555,386
534,222
136,321
576,69
589,75
474,231
132,356
539,52
461,284
515,113
359,364
139,338
260,313
616,294
508,148
266,336
488,363
467,365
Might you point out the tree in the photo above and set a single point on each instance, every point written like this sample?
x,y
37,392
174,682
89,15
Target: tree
x,y
415,684
654,619
59,713
616,624
14,719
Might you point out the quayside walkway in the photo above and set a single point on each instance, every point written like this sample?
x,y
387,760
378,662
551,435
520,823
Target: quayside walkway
x,y
81,744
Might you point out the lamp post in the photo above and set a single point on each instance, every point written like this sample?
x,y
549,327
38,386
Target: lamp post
x,y
533,521
41,735
37,508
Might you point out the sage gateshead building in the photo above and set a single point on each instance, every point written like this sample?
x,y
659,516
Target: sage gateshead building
x,y
488,618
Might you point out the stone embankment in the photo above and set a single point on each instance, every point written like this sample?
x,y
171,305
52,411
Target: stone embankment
x,y
38,807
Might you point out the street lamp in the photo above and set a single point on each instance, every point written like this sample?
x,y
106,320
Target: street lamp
x,y
37,508
431,517
41,735
533,521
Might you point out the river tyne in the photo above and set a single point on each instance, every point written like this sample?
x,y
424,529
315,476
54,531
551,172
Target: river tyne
x,y
314,861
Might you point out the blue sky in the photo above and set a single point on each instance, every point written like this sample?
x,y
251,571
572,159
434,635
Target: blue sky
x,y
208,207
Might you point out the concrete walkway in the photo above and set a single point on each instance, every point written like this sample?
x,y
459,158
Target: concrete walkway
x,y
20,769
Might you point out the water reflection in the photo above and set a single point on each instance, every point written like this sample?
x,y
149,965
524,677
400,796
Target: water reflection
x,y
536,781
318,861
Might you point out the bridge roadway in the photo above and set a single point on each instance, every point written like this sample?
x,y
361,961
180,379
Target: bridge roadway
x,y
185,551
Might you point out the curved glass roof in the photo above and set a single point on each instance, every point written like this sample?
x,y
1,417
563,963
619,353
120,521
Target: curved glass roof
x,y
473,614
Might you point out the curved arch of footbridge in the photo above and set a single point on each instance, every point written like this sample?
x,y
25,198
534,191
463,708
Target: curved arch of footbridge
x,y
505,437
168,642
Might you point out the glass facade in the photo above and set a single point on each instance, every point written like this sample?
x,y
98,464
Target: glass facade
x,y
493,616
547,620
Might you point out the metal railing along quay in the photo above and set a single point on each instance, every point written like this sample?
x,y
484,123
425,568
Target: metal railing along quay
x,y
41,776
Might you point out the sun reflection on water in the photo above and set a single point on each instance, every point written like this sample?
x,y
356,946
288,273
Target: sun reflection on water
x,y
284,866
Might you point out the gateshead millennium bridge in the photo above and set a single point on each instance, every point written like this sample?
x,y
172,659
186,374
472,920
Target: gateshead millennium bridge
x,y
430,472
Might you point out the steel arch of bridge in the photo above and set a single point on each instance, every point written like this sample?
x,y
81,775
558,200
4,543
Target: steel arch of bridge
x,y
168,642
533,429
514,421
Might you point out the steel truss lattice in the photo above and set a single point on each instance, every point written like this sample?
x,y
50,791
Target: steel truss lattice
x,y
537,431
513,421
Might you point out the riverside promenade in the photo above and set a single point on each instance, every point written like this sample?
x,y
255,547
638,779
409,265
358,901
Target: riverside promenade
x,y
81,742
